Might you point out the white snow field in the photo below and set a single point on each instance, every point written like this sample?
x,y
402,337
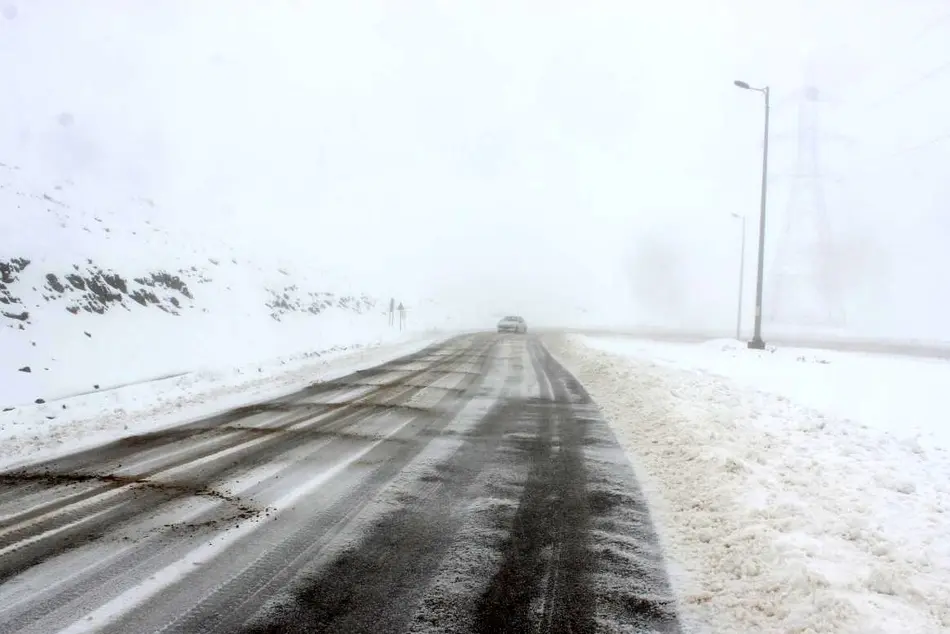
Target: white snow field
x,y
794,490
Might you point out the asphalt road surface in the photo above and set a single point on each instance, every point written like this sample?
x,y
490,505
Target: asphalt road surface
x,y
471,487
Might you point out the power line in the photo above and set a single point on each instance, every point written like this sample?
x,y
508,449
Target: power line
x,y
886,57
935,72
916,147
920,146
903,89
888,52
903,151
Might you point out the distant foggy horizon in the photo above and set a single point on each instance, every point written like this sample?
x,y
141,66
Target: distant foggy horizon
x,y
563,161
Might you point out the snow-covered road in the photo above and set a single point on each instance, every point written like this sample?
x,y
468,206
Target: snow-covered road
x,y
469,487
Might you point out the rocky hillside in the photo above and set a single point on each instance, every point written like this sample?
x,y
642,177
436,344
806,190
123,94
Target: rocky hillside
x,y
96,295
92,289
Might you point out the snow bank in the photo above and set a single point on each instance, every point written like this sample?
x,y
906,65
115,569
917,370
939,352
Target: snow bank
x,y
96,294
36,432
902,396
777,517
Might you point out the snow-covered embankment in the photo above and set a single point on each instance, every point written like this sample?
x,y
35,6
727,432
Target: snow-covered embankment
x,y
792,492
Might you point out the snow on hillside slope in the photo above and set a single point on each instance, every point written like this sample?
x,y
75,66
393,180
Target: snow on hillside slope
x,y
97,296
784,504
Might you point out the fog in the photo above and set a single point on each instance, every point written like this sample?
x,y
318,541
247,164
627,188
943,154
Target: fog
x,y
563,160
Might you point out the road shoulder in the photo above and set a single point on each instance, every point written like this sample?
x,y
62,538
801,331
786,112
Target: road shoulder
x,y
48,430
773,516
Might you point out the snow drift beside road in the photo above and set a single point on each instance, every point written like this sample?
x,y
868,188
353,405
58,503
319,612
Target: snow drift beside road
x,y
37,432
777,517
899,395
97,294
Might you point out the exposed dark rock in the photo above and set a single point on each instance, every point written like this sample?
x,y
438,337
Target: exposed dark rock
x,y
144,297
103,289
100,294
39,401
290,299
25,369
9,271
53,283
76,281
116,282
165,280
97,291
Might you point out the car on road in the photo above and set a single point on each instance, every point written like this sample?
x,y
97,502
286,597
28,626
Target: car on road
x,y
513,324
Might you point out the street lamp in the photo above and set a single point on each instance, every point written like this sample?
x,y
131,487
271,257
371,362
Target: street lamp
x,y
757,342
741,278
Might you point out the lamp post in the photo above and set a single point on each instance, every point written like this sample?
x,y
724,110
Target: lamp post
x,y
741,279
757,343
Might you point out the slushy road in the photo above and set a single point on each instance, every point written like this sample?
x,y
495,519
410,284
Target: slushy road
x,y
471,487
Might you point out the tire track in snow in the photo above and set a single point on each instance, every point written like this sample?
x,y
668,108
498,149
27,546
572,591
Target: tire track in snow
x,y
230,604
540,584
474,488
557,537
53,474
378,579
149,495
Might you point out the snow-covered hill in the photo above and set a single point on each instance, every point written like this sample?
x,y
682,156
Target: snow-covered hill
x,y
97,292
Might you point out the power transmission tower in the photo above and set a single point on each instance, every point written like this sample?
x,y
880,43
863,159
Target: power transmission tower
x,y
805,289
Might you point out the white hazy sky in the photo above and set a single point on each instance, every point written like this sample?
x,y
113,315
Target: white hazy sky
x,y
533,157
